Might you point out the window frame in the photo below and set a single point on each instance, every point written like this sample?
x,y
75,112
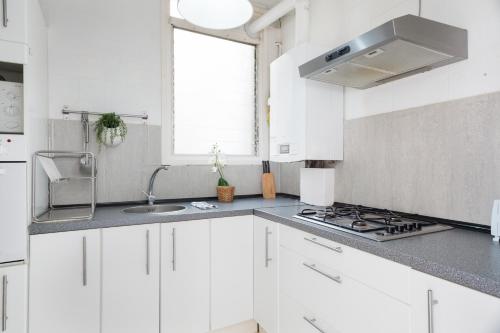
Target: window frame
x,y
167,128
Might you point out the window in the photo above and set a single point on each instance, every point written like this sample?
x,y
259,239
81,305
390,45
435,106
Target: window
x,y
214,100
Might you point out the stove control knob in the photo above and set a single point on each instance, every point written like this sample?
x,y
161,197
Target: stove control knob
x,y
409,227
417,226
401,228
390,229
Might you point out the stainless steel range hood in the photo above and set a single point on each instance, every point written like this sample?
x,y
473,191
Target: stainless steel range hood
x,y
399,48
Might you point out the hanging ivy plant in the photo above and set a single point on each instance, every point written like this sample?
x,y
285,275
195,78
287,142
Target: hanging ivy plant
x,y
109,127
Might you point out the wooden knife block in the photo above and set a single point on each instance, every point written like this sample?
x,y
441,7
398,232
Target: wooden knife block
x,y
268,186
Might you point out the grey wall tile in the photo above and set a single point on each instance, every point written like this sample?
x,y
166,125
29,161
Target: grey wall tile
x,y
124,171
290,177
440,160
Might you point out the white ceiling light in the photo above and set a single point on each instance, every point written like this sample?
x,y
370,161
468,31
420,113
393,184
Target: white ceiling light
x,y
218,14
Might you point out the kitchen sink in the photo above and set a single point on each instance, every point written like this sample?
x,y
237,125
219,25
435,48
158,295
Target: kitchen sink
x,y
155,209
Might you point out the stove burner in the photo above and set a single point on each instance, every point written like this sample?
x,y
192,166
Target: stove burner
x,y
358,224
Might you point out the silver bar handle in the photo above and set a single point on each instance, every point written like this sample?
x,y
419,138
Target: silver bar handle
x,y
174,254
148,253
313,267
430,312
84,261
312,322
267,259
5,14
4,303
313,240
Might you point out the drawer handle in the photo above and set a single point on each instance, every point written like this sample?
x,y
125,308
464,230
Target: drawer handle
x,y
84,261
430,307
313,267
5,18
337,249
312,322
4,303
148,253
174,248
267,259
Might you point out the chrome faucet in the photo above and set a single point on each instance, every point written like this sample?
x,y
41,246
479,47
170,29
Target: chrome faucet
x,y
151,197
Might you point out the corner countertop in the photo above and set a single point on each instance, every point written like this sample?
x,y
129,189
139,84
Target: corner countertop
x,y
112,216
468,258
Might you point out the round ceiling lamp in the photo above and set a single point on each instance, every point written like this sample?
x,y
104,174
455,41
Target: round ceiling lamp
x,y
216,14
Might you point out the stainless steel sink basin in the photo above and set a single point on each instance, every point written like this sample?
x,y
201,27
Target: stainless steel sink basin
x,y
155,209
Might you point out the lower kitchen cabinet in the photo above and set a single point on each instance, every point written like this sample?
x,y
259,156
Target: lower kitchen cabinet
x,y
64,282
295,318
265,274
231,271
13,299
131,279
185,277
440,306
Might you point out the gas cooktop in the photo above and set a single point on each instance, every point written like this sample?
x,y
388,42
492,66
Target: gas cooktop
x,y
376,224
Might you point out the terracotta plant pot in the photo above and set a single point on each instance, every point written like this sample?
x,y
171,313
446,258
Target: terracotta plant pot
x,y
225,193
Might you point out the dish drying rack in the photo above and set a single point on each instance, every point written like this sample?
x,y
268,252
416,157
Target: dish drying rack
x,y
46,159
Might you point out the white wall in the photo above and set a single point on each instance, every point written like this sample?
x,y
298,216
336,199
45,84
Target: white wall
x,y
104,56
336,21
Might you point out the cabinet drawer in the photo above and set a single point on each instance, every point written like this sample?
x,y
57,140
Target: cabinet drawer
x,y
295,318
364,267
331,294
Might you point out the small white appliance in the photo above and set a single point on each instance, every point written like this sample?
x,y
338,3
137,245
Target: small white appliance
x,y
495,221
317,186
13,206
11,107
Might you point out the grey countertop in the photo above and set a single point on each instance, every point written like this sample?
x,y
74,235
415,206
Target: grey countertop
x,y
465,257
112,216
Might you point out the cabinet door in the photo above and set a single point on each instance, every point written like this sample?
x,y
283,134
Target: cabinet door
x,y
185,274
131,279
265,274
65,282
13,27
232,270
439,306
13,299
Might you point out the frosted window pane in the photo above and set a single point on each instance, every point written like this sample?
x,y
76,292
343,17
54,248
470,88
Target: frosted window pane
x,y
214,95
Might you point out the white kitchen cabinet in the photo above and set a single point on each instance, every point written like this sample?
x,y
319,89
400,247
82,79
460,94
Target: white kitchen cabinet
x,y
265,274
185,277
13,31
231,271
131,279
336,300
295,318
306,115
13,298
64,282
13,21
439,306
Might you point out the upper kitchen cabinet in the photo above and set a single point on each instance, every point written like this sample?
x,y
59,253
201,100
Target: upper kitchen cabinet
x,y
13,31
306,116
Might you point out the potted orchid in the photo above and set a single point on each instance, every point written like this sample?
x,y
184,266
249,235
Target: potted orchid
x,y
225,192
